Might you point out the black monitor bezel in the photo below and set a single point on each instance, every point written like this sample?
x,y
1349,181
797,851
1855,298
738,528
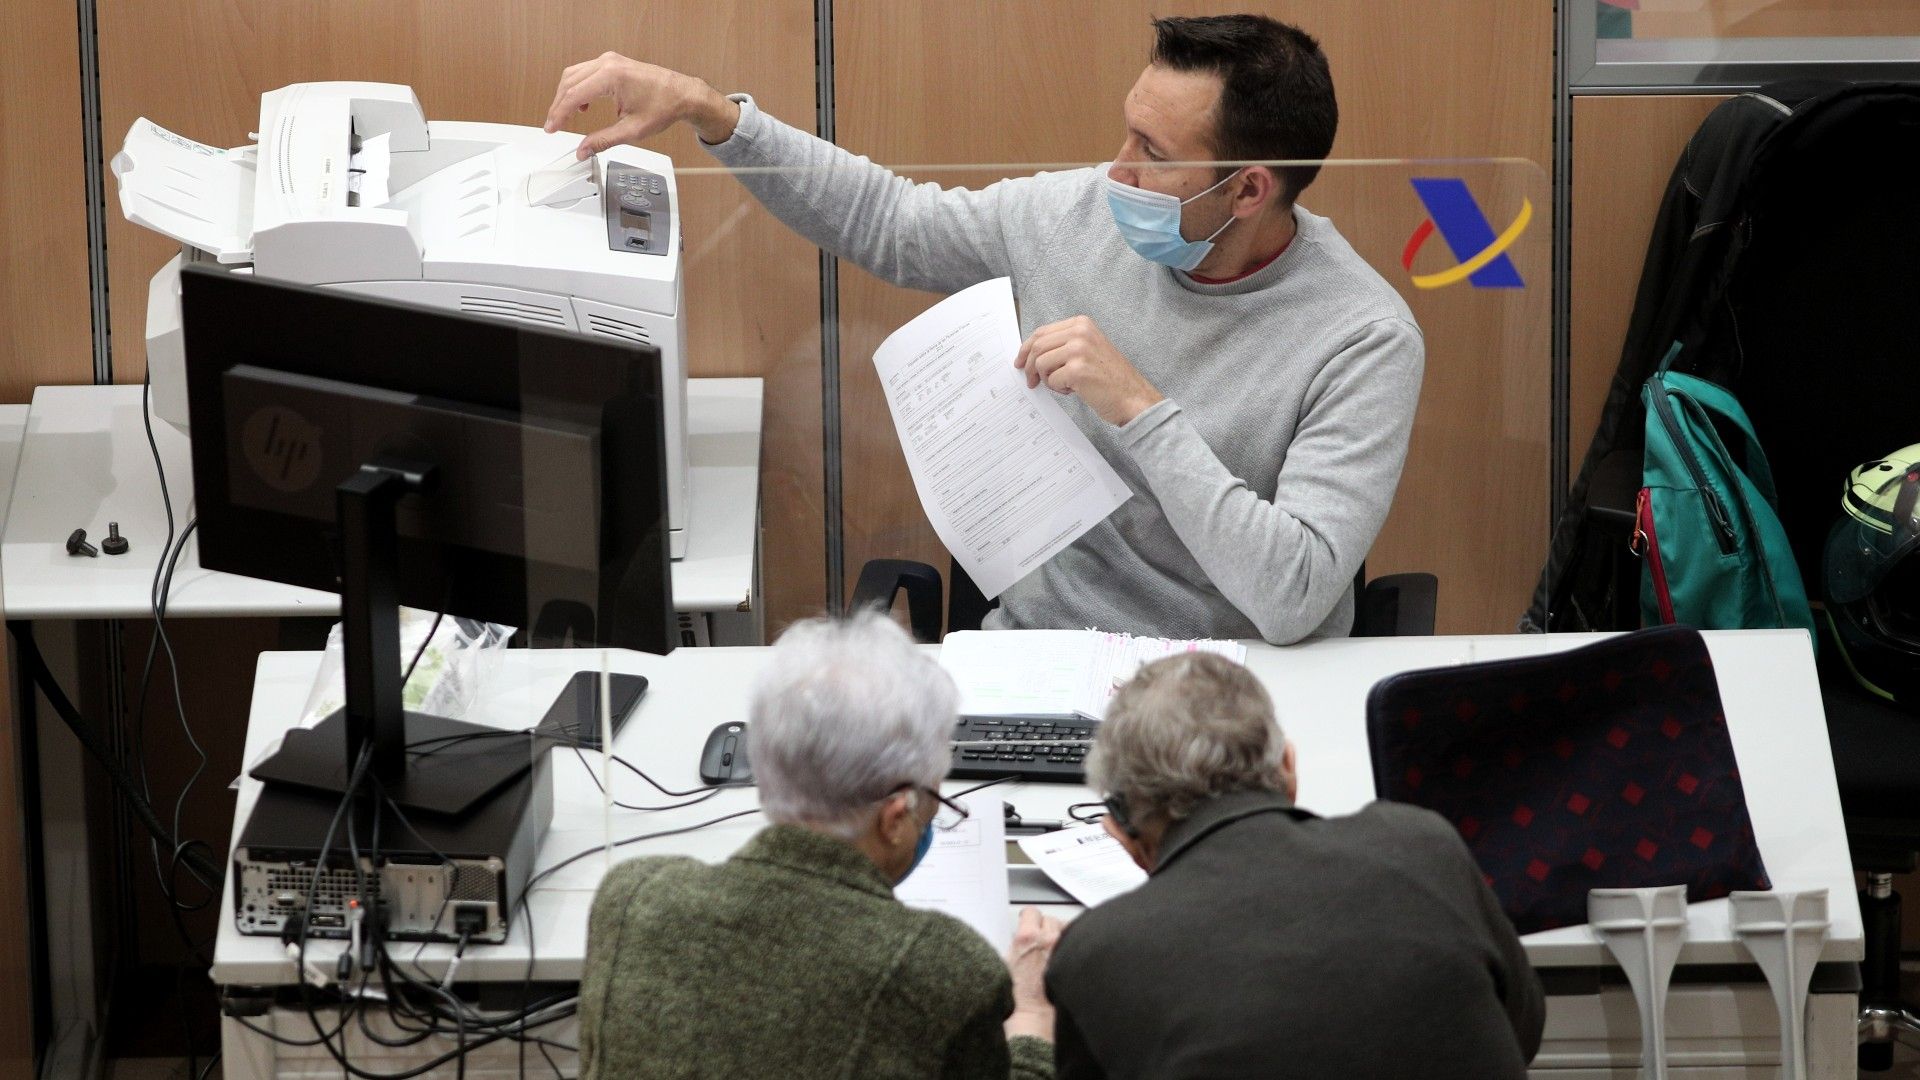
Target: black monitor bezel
x,y
231,318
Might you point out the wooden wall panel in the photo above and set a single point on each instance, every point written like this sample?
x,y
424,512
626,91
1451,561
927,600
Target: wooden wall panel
x,y
498,60
1434,80
1624,149
46,336
46,333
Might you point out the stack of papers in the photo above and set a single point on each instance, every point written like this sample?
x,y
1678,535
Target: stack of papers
x,y
1054,672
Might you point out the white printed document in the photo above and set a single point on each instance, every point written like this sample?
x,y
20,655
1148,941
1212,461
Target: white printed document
x,y
1086,861
965,872
1054,672
1004,476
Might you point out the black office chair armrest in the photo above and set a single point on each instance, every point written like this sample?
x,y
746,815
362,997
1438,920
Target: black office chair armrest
x,y
1398,605
882,579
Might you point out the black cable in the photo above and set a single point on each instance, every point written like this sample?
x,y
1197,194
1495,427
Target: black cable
x,y
286,1040
186,1021
662,789
157,598
1086,813
527,889
157,595
703,796
422,650
398,1008
169,877
515,1026
179,705
459,1017
982,786
38,673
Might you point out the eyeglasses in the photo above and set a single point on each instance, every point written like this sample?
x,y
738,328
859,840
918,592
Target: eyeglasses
x,y
1116,805
947,814
1086,813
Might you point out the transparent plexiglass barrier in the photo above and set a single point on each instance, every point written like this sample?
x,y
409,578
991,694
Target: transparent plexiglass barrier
x,y
1463,243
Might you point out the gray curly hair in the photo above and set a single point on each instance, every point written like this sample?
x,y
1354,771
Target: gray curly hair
x,y
1183,730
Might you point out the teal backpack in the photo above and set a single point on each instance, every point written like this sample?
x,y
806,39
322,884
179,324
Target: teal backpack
x,y
1715,555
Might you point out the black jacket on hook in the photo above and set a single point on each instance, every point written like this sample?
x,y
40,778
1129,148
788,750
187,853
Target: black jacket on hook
x,y
1779,257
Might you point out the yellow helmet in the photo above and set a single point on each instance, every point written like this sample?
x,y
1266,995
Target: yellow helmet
x,y
1872,587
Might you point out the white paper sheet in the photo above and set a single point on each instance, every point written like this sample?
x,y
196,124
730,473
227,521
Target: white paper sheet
x,y
562,181
369,170
1086,861
1055,672
965,872
1018,672
1003,475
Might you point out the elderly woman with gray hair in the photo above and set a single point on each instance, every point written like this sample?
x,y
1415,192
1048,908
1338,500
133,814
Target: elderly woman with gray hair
x,y
1268,942
793,958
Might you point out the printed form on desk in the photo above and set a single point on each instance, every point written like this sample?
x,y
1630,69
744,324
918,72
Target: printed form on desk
x,y
1054,672
1086,861
1005,478
965,872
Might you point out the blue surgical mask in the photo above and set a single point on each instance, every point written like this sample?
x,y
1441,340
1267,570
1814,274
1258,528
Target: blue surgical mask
x,y
920,850
1149,222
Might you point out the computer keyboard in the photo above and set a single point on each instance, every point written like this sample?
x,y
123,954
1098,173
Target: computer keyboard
x,y
1045,748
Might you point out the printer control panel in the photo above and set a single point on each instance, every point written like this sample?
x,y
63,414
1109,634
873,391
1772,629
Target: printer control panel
x,y
638,209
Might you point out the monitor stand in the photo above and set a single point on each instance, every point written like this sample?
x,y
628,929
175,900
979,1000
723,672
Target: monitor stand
x,y
420,762
453,766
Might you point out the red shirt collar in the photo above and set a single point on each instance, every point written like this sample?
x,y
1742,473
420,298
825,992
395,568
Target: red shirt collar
x,y
1263,264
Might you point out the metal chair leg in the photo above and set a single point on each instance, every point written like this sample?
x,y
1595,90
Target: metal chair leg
x,y
1883,1021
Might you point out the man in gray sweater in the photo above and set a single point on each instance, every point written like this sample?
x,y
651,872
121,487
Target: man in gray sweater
x,y
1249,376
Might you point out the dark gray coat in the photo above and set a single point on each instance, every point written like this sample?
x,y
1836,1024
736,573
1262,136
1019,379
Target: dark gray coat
x,y
1271,943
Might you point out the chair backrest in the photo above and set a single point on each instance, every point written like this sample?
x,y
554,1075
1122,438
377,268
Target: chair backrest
x,y
1398,605
967,607
1607,766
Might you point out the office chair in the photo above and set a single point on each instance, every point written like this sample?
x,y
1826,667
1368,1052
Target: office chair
x,y
1555,737
1398,605
1828,386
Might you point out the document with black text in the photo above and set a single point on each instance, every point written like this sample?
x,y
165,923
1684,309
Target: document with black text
x,y
1004,476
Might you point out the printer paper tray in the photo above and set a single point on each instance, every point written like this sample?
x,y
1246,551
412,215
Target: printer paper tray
x,y
200,195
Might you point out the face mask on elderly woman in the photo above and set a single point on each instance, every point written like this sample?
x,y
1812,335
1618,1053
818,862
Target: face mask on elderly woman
x,y
919,851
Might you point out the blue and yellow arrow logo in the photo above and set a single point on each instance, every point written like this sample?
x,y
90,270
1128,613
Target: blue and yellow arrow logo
x,y
1482,255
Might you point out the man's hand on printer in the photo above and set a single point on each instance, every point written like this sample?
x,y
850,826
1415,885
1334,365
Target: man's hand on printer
x,y
648,98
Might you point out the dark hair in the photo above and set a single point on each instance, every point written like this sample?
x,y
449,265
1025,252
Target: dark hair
x,y
1276,93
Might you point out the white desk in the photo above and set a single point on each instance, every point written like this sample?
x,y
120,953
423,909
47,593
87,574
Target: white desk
x,y
84,461
1773,710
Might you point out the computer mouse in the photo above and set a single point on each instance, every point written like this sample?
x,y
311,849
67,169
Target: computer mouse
x,y
724,759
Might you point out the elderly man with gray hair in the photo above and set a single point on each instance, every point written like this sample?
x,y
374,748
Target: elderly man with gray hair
x,y
1268,942
793,958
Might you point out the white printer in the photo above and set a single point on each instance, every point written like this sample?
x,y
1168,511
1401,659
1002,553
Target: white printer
x,y
349,186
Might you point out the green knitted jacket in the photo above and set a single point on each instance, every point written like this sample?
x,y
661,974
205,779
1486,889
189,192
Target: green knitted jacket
x,y
791,960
